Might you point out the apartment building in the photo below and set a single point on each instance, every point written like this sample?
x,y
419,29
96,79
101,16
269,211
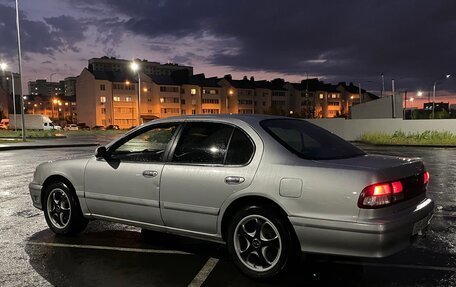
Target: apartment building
x,y
201,95
107,98
164,98
6,91
111,97
57,108
263,97
302,98
44,88
314,99
112,64
70,86
4,102
240,94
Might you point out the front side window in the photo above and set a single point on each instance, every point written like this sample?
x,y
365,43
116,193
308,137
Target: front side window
x,y
203,143
148,146
309,141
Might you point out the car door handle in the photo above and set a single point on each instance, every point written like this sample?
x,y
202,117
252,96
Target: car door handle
x,y
234,180
150,173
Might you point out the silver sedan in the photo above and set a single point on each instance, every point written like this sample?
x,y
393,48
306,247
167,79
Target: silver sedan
x,y
270,187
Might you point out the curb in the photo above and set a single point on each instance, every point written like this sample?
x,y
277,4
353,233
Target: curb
x,y
12,147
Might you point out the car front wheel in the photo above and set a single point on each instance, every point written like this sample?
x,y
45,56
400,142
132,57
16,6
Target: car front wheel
x,y
61,210
260,243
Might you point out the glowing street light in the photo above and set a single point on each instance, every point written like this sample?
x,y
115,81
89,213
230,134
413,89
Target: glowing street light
x,y
419,93
135,68
3,67
433,92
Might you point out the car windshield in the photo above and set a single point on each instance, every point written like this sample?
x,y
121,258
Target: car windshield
x,y
309,141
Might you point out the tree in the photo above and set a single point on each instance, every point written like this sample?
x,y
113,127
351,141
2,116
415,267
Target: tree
x,y
275,110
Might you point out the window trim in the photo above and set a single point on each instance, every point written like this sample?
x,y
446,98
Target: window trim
x,y
179,134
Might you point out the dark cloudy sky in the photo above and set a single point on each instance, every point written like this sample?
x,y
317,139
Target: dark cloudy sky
x,y
357,40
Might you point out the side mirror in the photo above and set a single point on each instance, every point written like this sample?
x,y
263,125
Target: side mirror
x,y
101,152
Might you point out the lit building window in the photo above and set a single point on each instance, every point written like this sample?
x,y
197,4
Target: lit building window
x,y
102,99
321,96
116,99
193,91
128,99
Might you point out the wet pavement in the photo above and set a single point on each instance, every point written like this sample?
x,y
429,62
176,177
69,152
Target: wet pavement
x,y
108,254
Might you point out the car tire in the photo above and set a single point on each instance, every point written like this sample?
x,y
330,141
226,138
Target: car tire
x,y
62,210
251,243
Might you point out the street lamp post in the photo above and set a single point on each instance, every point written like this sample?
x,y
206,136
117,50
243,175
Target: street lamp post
x,y
54,101
433,93
135,68
50,77
230,93
3,67
20,69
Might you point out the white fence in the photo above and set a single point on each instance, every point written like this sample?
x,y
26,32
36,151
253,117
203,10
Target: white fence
x,y
353,129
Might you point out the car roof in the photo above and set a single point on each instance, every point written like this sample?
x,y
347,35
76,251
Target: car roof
x,y
250,119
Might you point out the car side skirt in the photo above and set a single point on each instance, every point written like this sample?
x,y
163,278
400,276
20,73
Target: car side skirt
x,y
171,230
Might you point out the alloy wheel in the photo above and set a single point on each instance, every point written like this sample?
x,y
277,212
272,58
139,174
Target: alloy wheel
x,y
257,243
59,208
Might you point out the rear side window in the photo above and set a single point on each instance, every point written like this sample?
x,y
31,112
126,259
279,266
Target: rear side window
x,y
240,150
203,143
309,141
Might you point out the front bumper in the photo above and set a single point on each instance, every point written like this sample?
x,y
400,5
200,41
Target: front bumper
x,y
371,238
35,193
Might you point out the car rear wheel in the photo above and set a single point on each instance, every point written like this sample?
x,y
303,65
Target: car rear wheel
x,y
62,211
260,243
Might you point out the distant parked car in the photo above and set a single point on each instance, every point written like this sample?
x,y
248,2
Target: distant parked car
x,y
270,187
83,126
71,127
99,128
4,124
113,127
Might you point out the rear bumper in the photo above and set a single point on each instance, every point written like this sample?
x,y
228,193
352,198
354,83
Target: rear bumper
x,y
370,238
35,193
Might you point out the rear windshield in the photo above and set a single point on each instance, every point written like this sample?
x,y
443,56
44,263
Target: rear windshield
x,y
309,141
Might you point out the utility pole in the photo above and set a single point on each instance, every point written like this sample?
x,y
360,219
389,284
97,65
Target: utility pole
x,y
393,99
360,95
383,85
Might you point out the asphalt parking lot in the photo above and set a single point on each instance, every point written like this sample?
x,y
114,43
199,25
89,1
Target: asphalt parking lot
x,y
108,254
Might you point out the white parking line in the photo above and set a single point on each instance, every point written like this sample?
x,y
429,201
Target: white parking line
x,y
204,273
97,247
422,267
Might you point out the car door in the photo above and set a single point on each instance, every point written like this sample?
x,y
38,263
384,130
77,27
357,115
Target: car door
x,y
210,162
125,184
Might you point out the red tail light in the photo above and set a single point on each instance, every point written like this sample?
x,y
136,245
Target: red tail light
x,y
426,177
381,194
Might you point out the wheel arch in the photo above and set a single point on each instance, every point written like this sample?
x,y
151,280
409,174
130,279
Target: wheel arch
x,y
57,178
251,200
